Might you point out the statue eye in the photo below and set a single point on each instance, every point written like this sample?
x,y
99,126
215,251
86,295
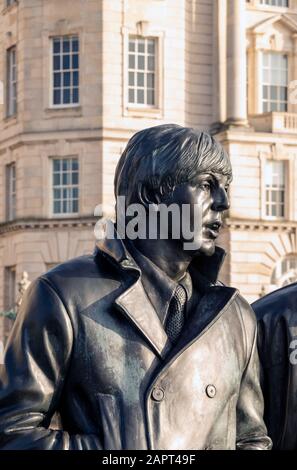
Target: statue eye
x,y
205,186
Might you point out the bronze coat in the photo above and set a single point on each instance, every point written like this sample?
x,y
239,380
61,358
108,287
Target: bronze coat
x,y
277,341
89,345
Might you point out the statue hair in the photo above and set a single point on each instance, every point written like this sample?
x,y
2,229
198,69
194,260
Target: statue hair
x,y
159,158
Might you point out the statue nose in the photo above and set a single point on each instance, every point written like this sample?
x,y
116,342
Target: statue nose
x,y
221,201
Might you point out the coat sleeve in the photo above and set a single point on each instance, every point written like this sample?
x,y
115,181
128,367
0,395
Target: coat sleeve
x,y
251,430
31,381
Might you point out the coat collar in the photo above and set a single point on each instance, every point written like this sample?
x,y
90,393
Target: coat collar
x,y
135,304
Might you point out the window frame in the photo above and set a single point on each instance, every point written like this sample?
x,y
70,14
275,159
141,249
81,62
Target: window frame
x,y
256,4
9,304
264,4
52,105
51,198
10,110
10,192
278,102
289,186
145,72
155,111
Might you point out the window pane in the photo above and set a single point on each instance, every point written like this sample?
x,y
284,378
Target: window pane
x,y
75,45
66,96
283,93
131,78
75,95
131,62
57,165
57,46
57,193
66,178
150,97
140,79
66,62
75,61
66,45
140,64
151,63
66,80
140,96
75,78
140,45
56,179
131,95
57,62
57,80
131,45
57,207
151,47
74,164
273,93
57,97
150,80
75,206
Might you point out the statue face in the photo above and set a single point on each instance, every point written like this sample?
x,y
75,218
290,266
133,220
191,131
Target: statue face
x,y
207,193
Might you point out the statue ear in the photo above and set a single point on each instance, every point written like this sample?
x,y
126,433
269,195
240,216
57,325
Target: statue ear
x,y
147,195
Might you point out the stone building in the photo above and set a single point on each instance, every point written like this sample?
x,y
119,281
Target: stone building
x,y
81,76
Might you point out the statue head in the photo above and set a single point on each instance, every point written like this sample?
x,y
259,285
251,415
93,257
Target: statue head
x,y
171,164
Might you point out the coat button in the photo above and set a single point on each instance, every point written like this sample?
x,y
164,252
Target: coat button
x,y
210,391
157,394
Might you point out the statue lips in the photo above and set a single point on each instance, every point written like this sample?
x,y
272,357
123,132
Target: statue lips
x,y
213,228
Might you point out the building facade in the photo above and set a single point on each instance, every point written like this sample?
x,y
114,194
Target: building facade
x,y
79,77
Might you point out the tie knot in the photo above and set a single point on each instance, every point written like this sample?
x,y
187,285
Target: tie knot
x,y
180,295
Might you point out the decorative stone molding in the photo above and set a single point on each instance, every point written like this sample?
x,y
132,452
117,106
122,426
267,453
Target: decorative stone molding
x,y
47,224
261,225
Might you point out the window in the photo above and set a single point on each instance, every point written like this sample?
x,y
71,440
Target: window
x,y
9,288
285,271
142,71
275,3
65,186
11,88
275,188
10,191
65,80
275,82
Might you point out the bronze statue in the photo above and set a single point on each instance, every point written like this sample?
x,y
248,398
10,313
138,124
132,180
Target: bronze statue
x,y
140,346
277,342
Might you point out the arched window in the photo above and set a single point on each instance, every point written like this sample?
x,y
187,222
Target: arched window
x,y
285,271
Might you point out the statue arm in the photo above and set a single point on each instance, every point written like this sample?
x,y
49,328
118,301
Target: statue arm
x,y
35,367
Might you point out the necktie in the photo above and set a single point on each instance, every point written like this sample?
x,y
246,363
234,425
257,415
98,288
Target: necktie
x,y
176,319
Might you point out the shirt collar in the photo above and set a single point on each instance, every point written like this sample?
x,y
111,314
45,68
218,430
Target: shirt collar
x,y
158,285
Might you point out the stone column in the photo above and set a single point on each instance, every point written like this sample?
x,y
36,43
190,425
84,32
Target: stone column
x,y
219,54
292,91
236,64
258,66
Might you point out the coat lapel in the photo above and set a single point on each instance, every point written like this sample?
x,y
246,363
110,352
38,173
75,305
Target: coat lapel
x,y
140,311
212,305
133,302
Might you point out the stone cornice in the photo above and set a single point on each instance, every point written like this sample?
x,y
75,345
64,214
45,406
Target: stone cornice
x,y
261,225
20,225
